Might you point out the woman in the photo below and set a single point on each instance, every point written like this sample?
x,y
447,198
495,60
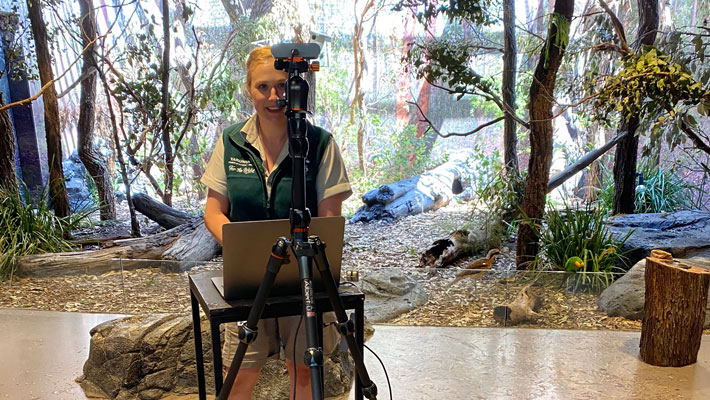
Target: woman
x,y
249,178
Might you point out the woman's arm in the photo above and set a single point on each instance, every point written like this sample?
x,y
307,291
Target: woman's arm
x,y
216,211
331,206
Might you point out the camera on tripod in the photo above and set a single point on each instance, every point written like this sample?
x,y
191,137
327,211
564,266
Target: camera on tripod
x,y
294,59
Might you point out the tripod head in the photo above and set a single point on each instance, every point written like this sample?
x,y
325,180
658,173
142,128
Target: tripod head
x,y
294,58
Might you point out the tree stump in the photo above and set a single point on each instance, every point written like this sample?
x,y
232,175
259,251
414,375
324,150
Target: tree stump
x,y
522,309
676,297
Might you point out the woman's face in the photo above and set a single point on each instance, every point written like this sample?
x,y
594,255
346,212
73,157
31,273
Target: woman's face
x,y
267,86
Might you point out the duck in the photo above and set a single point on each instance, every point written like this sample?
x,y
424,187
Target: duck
x,y
472,270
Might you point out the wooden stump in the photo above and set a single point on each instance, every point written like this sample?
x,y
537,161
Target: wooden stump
x,y
522,309
674,311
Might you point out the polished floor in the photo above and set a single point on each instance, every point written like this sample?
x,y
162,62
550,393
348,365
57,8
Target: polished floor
x,y
43,352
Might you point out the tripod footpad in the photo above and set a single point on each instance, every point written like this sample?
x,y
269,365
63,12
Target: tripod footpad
x,y
247,335
314,357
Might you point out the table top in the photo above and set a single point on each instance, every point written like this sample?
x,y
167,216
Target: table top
x,y
216,307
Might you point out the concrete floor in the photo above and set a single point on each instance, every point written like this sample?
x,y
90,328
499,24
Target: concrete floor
x,y
43,352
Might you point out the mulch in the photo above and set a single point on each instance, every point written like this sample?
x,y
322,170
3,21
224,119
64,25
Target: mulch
x,y
368,247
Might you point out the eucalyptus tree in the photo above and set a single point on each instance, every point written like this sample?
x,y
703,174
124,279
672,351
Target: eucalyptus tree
x,y
92,159
57,187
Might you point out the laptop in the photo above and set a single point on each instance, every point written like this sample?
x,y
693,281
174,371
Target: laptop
x,y
247,247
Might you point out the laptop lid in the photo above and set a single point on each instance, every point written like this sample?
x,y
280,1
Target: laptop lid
x,y
247,247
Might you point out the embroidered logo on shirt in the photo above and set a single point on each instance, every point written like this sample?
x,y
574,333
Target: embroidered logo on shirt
x,y
240,166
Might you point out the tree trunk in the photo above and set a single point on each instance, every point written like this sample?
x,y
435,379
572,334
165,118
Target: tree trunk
x,y
541,100
674,312
510,62
165,100
57,187
8,175
627,149
90,157
403,94
135,228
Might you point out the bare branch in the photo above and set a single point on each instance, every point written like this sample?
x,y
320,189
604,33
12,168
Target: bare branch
x,y
50,83
445,135
618,27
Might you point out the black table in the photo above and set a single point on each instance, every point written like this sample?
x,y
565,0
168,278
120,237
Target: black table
x,y
204,293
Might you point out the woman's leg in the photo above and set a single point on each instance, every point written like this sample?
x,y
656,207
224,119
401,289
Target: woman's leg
x,y
303,383
244,384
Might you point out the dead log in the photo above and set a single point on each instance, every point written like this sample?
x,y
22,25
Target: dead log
x,y
386,194
164,215
444,251
430,191
674,311
522,309
179,248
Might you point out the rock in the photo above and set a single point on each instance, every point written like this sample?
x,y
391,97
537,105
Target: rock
x,y
76,179
389,293
682,233
625,297
147,357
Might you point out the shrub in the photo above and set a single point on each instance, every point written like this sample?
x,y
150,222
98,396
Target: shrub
x,y
581,232
29,226
662,191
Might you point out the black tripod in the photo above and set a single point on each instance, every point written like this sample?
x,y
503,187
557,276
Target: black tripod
x,y
294,59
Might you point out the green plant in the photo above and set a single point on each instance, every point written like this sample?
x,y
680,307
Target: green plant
x,y
581,232
498,200
662,191
29,226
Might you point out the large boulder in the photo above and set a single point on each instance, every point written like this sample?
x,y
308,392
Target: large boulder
x,y
625,297
76,180
389,293
682,233
147,357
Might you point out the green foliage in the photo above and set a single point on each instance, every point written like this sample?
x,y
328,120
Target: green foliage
x,y
447,60
407,157
562,24
650,78
663,191
474,11
582,233
498,199
29,226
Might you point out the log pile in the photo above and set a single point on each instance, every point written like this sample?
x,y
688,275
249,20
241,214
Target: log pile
x,y
429,191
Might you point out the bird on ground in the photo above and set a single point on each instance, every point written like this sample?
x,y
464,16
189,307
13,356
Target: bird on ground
x,y
473,269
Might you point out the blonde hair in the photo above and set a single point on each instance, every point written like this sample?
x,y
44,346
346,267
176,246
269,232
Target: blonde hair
x,y
257,56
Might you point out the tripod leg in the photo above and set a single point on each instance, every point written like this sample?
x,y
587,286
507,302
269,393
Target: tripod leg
x,y
248,330
345,326
314,353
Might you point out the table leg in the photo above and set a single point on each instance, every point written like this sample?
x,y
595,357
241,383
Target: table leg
x,y
199,359
216,355
360,339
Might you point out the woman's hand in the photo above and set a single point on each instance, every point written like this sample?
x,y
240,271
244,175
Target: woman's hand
x,y
216,211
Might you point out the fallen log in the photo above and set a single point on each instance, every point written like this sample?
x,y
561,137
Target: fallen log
x,y
444,251
430,191
164,215
386,194
522,309
179,247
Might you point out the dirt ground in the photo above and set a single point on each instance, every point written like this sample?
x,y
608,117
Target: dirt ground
x,y
368,247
